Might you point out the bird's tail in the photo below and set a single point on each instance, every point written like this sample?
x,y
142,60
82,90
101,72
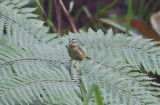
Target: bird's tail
x,y
87,57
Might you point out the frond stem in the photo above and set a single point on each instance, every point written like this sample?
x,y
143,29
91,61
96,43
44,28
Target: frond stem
x,y
26,84
30,59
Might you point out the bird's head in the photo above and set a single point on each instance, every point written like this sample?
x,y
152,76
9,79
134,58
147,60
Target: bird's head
x,y
73,43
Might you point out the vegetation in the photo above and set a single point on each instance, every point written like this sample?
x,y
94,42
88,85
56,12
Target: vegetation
x,y
35,67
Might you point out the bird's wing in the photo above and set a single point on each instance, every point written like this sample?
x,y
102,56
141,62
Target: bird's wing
x,y
81,51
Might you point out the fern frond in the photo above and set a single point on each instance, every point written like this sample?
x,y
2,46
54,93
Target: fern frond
x,y
133,90
16,60
21,27
136,51
34,68
118,66
53,84
127,89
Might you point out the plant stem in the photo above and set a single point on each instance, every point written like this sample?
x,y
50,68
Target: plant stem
x,y
129,15
50,9
49,19
81,86
58,13
42,2
103,10
68,16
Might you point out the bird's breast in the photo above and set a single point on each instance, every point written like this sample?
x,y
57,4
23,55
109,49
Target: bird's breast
x,y
76,54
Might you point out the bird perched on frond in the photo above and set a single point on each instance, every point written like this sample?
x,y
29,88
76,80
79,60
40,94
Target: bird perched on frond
x,y
75,52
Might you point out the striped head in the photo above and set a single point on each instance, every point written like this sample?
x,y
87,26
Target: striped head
x,y
73,42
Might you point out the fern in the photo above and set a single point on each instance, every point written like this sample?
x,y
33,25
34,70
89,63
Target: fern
x,y
20,59
19,21
111,78
44,85
35,68
138,52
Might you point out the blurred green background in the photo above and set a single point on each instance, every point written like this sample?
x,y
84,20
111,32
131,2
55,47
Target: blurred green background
x,y
127,16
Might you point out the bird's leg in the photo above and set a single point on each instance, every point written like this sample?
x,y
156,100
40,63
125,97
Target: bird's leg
x,y
74,65
78,65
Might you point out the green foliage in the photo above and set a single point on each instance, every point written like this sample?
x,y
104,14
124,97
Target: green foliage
x,y
94,88
35,68
143,9
103,10
129,15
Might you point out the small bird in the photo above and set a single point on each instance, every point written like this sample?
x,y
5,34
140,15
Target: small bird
x,y
75,52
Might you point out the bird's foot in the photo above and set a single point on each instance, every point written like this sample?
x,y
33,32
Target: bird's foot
x,y
74,66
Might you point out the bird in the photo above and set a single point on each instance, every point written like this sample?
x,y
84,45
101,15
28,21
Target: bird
x,y
75,52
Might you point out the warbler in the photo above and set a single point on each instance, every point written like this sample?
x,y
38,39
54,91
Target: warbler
x,y
75,52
